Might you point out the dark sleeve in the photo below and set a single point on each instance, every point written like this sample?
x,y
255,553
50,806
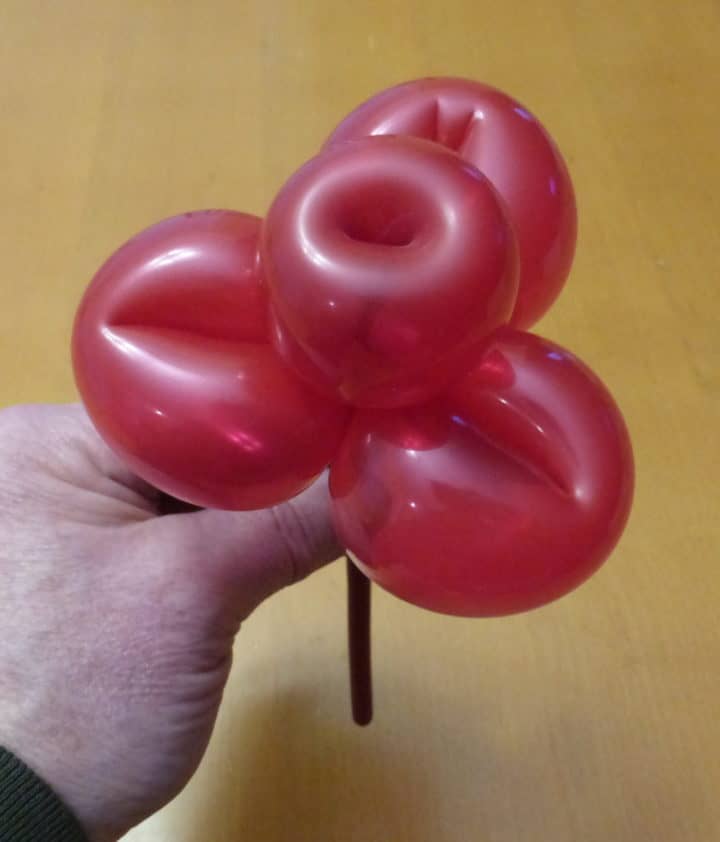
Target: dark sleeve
x,y
29,810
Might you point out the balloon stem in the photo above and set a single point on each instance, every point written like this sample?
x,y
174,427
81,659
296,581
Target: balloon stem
x,y
359,644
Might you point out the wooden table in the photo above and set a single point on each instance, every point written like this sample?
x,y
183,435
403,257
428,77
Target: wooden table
x,y
594,719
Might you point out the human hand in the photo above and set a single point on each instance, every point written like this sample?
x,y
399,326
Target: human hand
x,y
117,623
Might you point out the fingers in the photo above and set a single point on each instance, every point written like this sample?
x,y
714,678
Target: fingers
x,y
247,556
61,439
236,557
73,421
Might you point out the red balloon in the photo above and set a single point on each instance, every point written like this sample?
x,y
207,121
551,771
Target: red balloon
x,y
504,494
503,140
173,360
388,260
486,471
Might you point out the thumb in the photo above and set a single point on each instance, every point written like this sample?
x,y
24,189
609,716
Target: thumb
x,y
245,557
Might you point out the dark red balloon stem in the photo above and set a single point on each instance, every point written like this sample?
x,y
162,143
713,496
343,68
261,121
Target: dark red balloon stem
x,y
359,645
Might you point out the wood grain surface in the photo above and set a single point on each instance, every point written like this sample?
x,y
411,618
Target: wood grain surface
x,y
591,720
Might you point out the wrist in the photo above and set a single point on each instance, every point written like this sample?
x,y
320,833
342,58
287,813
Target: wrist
x,y
30,809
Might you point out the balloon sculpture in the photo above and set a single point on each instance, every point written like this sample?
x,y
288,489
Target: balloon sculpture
x,y
375,322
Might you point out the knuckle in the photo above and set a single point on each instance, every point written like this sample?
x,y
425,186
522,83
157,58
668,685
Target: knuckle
x,y
297,537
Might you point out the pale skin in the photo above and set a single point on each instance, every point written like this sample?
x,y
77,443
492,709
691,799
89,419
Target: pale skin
x,y
117,623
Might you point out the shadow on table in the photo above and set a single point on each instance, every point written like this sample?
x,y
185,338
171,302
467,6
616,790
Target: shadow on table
x,y
298,777
295,770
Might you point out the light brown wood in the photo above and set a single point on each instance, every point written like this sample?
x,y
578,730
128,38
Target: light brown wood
x,y
594,719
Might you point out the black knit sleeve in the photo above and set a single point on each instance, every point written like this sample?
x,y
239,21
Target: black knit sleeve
x,y
29,810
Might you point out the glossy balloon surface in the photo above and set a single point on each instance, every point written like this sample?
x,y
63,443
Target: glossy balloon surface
x,y
174,363
508,144
388,260
499,497
374,321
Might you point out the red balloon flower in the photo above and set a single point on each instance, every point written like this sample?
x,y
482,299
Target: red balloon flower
x,y
375,322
